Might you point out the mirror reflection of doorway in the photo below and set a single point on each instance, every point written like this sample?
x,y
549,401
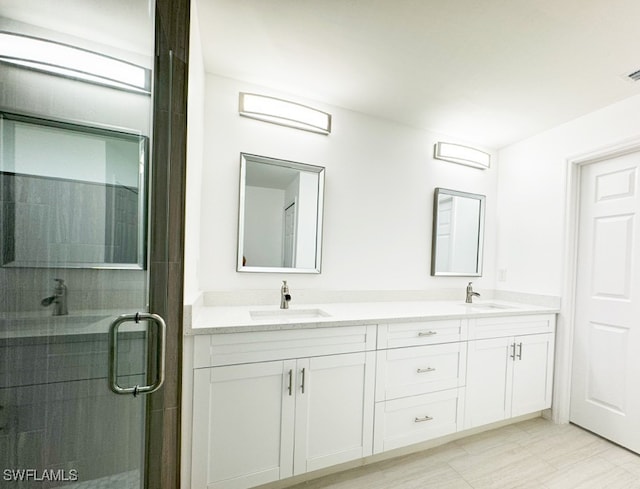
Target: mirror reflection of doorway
x,y
289,236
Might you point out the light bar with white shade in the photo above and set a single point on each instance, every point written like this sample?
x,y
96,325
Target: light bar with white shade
x,y
72,62
284,113
463,155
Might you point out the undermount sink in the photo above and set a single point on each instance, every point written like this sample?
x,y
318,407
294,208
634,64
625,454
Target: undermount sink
x,y
284,314
489,305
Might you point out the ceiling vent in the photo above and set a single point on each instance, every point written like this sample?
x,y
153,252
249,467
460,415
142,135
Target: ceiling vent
x,y
635,76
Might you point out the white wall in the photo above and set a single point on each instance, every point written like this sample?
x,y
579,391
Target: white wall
x,y
380,178
532,193
195,141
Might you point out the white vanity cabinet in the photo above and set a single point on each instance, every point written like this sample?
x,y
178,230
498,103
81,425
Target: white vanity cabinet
x,y
259,421
276,403
420,378
509,367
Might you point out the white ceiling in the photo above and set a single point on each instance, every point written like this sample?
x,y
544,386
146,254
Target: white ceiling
x,y
490,72
123,24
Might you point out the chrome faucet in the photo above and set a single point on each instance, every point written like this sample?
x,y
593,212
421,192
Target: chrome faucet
x,y
470,294
285,296
58,299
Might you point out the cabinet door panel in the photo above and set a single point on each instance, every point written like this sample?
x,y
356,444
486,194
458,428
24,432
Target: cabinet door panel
x,y
532,374
489,376
243,420
334,414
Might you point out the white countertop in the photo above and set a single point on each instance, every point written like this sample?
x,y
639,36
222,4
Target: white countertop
x,y
218,319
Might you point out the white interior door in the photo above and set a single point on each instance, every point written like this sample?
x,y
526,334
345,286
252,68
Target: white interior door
x,y
289,236
605,395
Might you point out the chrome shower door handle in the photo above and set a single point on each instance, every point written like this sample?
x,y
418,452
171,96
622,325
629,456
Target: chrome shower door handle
x,y
159,360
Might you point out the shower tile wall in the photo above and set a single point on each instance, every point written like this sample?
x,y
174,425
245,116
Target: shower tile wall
x,y
56,220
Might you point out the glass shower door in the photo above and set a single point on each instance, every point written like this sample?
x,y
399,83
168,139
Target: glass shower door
x,y
75,129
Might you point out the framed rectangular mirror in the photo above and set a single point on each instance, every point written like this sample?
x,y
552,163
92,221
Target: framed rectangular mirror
x,y
71,196
280,215
458,233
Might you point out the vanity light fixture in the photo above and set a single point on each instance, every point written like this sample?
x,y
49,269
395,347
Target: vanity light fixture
x,y
464,155
284,113
72,62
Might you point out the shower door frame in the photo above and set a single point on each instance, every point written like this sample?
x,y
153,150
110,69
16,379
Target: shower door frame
x,y
166,239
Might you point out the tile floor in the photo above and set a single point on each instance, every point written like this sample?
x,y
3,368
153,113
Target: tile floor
x,y
533,454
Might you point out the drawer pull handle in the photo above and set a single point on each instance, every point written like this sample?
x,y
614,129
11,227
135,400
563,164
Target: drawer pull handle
x,y
420,420
425,370
519,354
427,333
290,387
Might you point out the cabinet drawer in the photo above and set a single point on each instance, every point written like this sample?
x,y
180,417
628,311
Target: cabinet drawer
x,y
499,327
234,348
418,333
410,420
405,372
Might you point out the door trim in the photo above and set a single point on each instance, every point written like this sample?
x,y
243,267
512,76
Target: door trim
x,y
566,320
166,237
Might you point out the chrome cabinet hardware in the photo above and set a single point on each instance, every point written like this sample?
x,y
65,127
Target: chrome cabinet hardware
x,y
427,333
420,420
425,370
303,378
290,387
516,347
159,353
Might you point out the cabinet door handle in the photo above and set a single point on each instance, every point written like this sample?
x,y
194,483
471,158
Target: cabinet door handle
x,y
513,351
420,420
303,377
425,370
519,351
427,333
290,387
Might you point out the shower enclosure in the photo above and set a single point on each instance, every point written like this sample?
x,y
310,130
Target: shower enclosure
x,y
89,181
